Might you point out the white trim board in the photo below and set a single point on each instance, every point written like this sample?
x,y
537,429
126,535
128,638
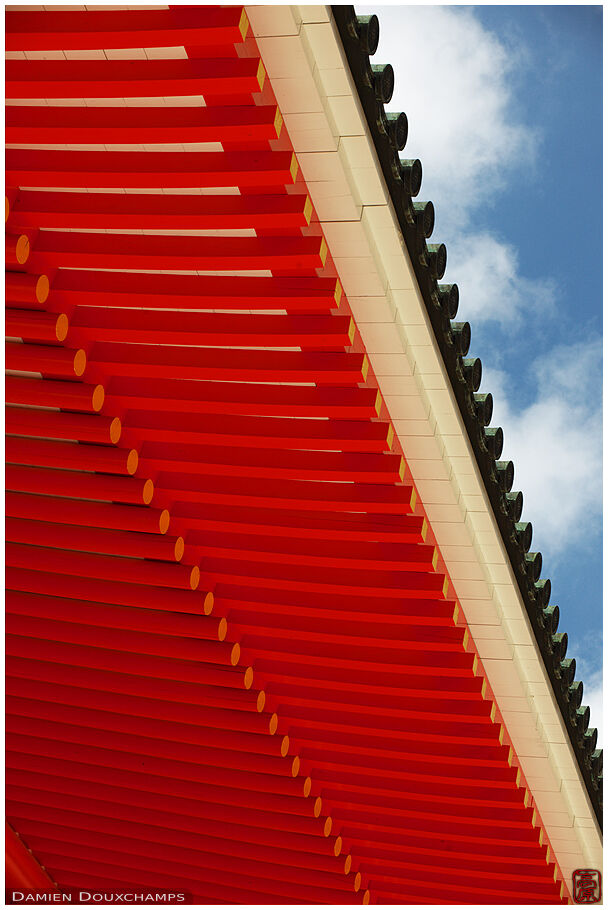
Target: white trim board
x,y
303,55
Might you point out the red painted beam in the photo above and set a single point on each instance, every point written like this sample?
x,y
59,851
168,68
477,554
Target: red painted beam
x,y
104,567
30,291
427,627
138,837
160,362
268,432
254,889
486,857
327,578
137,251
353,604
71,456
237,125
475,890
82,30
516,822
271,669
433,704
462,870
292,881
170,732
184,292
301,662
147,666
274,675
97,324
309,524
105,679
204,397
289,464
394,723
462,789
133,78
293,803
159,211
26,584
206,545
360,640
126,642
95,540
46,328
232,838
113,169
214,787
48,393
54,362
441,654
416,755
63,425
16,251
88,514
420,760
140,806
328,496
51,482
172,690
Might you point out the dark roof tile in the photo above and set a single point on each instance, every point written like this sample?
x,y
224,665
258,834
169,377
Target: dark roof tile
x,y
403,178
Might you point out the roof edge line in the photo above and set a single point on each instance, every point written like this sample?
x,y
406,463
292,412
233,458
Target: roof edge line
x,y
534,594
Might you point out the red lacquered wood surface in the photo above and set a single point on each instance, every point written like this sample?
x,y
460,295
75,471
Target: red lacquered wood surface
x,y
235,662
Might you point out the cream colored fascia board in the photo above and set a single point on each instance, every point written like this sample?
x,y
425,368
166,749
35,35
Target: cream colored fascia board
x,y
305,61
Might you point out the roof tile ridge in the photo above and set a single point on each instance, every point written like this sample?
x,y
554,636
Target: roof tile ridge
x,y
403,177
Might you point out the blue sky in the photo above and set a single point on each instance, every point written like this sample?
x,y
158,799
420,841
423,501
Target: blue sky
x,y
505,112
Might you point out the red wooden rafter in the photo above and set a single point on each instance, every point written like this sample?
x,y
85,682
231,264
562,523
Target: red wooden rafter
x,y
235,662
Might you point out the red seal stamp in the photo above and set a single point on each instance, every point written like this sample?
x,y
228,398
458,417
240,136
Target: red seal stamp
x,y
587,886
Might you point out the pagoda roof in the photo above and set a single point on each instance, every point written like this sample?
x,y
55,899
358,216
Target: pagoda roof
x,y
243,660
374,85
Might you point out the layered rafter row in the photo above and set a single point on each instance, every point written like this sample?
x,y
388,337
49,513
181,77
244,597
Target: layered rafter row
x,y
234,657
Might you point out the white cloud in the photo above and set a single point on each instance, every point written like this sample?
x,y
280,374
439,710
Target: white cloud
x,y
593,696
592,693
491,286
454,79
555,443
456,82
